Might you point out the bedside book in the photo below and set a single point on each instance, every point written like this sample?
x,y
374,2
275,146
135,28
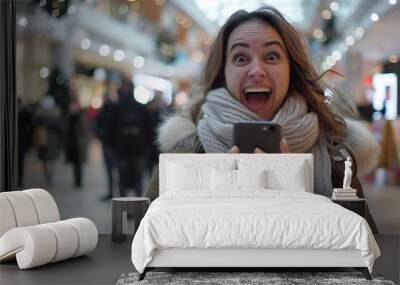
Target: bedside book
x,y
341,190
344,194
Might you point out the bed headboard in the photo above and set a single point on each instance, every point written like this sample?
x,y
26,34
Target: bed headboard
x,y
281,162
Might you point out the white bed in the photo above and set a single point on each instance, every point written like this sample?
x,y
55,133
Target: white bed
x,y
247,210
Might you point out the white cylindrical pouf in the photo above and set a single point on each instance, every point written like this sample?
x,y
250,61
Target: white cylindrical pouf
x,y
87,233
7,218
67,239
34,245
45,205
40,247
40,244
23,208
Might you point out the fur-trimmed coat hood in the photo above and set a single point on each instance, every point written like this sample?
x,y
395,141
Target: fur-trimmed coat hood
x,y
178,134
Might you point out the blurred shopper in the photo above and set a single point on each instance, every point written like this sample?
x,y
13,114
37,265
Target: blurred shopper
x,y
102,127
47,135
77,139
129,135
60,90
25,133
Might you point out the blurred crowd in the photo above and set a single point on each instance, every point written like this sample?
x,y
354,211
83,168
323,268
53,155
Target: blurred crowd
x,y
57,130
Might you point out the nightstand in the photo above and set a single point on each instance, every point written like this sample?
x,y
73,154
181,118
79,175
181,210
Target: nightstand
x,y
124,211
357,205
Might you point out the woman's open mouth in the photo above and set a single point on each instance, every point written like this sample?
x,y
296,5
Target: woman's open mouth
x,y
256,98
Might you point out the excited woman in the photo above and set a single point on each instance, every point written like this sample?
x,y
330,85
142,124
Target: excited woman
x,y
258,69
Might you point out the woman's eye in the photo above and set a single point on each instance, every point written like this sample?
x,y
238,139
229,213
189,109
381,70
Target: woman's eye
x,y
272,57
240,59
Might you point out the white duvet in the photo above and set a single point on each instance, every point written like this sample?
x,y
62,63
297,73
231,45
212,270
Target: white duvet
x,y
253,218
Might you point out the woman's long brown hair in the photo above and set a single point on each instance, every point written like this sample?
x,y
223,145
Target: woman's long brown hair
x,y
304,79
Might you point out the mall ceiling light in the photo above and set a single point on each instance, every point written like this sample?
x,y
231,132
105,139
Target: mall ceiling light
x,y
337,55
104,50
326,14
138,61
330,61
85,44
143,95
119,55
154,83
350,41
318,33
392,2
359,32
374,17
334,6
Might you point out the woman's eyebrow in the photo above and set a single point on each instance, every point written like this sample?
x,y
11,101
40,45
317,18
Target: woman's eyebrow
x,y
239,44
266,44
274,42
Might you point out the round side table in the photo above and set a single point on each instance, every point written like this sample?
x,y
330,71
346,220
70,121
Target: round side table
x,y
123,209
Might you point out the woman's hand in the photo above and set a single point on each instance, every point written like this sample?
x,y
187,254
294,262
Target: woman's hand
x,y
284,148
234,149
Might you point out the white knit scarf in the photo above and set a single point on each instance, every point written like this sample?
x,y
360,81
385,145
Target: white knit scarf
x,y
299,128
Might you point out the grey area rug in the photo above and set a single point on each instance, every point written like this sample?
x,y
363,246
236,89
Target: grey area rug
x,y
273,278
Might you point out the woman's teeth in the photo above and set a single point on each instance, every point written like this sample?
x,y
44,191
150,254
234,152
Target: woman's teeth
x,y
257,90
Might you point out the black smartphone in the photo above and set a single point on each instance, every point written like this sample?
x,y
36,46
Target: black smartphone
x,y
264,135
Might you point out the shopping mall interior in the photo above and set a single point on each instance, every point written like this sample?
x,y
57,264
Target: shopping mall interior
x,y
89,47
74,57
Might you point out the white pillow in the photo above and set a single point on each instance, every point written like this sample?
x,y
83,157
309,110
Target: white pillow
x,y
182,177
225,179
293,179
251,178
193,175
